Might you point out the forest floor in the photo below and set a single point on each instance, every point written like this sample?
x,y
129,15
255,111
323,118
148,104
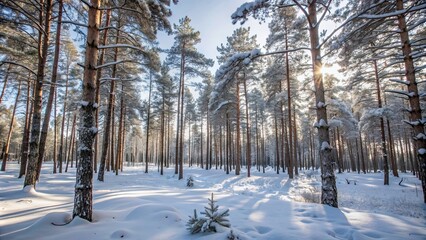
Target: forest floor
x,y
138,205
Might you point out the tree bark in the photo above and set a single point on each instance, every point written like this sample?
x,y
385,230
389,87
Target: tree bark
x,y
46,120
148,118
87,131
6,78
70,155
26,133
9,135
119,155
416,111
98,84
329,189
238,140
248,151
382,126
43,45
108,120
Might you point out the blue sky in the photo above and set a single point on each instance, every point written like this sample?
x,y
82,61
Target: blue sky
x,y
213,19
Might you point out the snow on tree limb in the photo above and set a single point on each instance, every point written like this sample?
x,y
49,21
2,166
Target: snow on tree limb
x,y
395,13
75,23
18,64
235,63
245,9
415,123
407,94
121,46
400,81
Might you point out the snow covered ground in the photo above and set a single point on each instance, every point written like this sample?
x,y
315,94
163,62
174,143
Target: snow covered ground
x,y
135,205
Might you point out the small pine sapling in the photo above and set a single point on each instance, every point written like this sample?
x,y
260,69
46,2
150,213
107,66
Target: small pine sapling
x,y
190,182
232,236
194,224
213,220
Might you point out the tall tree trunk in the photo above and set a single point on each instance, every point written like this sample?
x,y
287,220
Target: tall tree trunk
x,y
162,134
26,133
290,124
62,156
71,143
179,110
43,45
9,135
382,126
208,141
110,112
182,94
148,118
248,151
392,151
46,120
55,134
6,78
83,186
228,142
238,140
277,144
112,138
295,145
98,83
329,189
119,156
416,111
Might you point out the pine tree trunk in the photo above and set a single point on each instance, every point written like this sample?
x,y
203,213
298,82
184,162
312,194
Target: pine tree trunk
x,y
9,135
295,145
290,124
382,126
55,134
62,156
228,142
162,134
329,189
208,142
416,111
248,151
392,151
87,131
71,143
6,78
98,84
119,155
46,119
110,112
112,149
182,94
285,141
26,133
148,119
277,144
238,140
43,45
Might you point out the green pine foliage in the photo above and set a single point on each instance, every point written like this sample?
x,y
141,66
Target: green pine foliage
x,y
213,219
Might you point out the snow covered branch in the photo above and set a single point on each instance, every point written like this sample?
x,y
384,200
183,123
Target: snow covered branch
x,y
321,124
114,63
395,13
76,23
415,123
407,94
18,64
245,9
121,46
400,81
